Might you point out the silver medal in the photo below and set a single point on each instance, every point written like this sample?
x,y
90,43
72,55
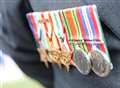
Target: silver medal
x,y
82,61
100,64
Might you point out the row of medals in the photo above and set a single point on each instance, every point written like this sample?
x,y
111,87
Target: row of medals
x,y
95,60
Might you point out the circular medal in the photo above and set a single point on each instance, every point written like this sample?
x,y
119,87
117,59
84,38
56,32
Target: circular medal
x,y
82,61
100,65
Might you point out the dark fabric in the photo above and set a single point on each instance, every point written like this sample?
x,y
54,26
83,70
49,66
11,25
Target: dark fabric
x,y
74,79
16,39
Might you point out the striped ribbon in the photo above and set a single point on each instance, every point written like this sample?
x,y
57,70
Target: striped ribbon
x,y
89,26
80,23
59,31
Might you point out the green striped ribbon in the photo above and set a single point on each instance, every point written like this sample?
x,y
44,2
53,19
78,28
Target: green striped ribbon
x,y
78,29
67,28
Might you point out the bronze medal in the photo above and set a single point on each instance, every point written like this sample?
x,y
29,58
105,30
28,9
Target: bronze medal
x,y
65,59
82,61
54,55
100,65
44,56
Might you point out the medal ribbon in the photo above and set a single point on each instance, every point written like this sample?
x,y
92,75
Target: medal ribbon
x,y
59,30
90,26
46,39
90,11
102,46
97,28
79,31
33,26
67,27
64,32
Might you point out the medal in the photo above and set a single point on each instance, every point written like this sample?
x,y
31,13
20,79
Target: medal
x,y
82,61
56,28
99,63
46,37
100,60
61,39
54,55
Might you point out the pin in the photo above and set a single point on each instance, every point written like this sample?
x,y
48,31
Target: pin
x,y
100,65
82,61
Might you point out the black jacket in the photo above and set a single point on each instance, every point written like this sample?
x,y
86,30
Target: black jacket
x,y
16,40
